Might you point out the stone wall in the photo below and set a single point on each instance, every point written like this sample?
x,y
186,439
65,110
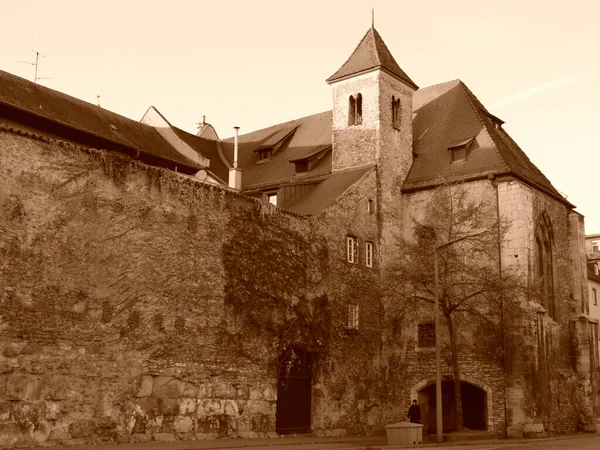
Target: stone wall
x,y
406,368
129,298
346,393
543,389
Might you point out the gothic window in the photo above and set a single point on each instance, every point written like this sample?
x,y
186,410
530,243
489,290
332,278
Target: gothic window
x,y
544,248
351,111
355,110
396,110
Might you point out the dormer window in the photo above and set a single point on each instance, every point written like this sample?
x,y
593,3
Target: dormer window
x,y
460,151
396,110
265,155
301,166
355,110
459,154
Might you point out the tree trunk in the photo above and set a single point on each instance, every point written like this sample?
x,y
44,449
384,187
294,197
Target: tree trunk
x,y
456,368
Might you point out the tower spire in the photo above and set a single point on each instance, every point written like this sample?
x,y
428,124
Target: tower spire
x,y
372,17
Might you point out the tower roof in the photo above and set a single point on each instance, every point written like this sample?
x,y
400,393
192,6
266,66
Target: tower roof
x,y
371,53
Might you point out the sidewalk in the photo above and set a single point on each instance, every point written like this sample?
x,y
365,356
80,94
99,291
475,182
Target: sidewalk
x,y
304,443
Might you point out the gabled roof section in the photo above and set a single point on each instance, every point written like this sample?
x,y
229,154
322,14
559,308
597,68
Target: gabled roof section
x,y
208,148
39,102
326,192
298,139
371,53
447,114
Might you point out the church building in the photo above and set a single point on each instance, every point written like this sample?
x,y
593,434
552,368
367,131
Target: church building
x,y
156,284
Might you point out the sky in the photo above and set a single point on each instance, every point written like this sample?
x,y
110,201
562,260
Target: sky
x,y
254,63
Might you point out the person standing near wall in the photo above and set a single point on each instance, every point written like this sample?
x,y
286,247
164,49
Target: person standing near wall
x,y
414,412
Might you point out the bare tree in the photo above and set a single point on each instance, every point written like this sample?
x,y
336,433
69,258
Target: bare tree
x,y
466,234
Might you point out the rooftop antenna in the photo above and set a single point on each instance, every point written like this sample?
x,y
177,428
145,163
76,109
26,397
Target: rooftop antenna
x,y
36,64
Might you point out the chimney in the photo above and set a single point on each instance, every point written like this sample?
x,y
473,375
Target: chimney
x,y
235,174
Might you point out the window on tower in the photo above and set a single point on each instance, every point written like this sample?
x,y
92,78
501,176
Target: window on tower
x,y
351,111
355,110
396,110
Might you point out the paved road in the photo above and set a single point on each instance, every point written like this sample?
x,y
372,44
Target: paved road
x,y
580,442
575,443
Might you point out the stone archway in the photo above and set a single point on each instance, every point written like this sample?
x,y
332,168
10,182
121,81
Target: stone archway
x,y
477,403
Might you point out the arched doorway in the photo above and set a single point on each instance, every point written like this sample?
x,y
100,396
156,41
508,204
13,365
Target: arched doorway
x,y
294,392
476,408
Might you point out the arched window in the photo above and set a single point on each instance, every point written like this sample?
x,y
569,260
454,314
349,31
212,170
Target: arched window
x,y
396,110
351,111
544,248
355,110
358,109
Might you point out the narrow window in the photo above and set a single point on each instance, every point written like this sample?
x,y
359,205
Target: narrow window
x,y
396,110
358,109
351,111
544,243
370,206
353,317
595,246
369,254
594,297
595,269
426,335
352,249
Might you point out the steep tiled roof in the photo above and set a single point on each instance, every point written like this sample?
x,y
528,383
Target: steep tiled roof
x,y
447,114
310,135
325,193
207,148
56,107
370,53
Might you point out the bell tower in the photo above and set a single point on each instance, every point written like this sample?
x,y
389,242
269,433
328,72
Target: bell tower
x,y
372,109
